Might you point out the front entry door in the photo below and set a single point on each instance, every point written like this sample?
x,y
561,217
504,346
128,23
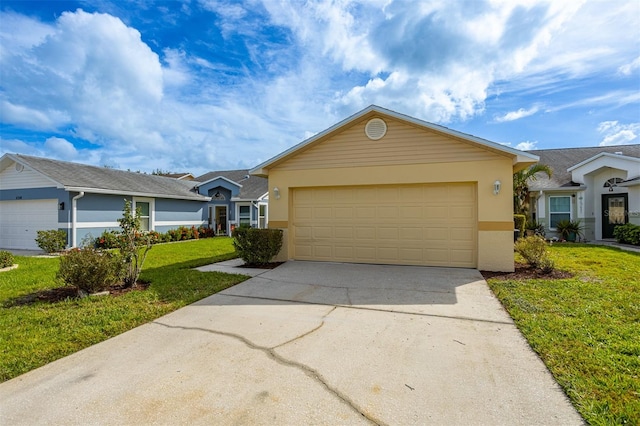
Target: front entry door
x,y
614,212
221,220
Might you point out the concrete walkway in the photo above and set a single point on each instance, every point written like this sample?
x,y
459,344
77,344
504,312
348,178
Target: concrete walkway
x,y
308,343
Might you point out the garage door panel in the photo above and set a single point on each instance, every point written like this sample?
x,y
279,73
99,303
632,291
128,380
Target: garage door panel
x,y
462,234
303,212
436,212
365,254
343,253
365,233
388,233
323,252
343,212
422,224
365,213
343,233
388,254
20,221
436,234
411,233
322,232
387,212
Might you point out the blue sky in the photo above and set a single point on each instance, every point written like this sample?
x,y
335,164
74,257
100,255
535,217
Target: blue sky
x,y
210,85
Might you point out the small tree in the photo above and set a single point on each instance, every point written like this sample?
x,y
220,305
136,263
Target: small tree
x,y
133,244
521,181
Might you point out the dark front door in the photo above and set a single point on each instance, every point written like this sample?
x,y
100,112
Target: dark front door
x,y
614,212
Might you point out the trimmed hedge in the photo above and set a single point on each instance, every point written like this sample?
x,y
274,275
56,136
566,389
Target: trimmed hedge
x,y
627,234
6,259
257,246
109,239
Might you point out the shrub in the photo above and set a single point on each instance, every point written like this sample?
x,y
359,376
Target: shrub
x,y
52,241
206,232
627,234
534,251
6,259
174,234
257,246
90,270
107,240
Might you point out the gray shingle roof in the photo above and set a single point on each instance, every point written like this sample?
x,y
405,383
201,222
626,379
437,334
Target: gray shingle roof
x,y
102,179
563,158
253,187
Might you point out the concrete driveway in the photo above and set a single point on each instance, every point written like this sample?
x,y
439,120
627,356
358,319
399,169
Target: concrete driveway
x,y
308,343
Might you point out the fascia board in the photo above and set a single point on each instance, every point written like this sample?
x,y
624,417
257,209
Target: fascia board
x,y
134,194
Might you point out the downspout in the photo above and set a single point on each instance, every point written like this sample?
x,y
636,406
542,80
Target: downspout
x,y
74,208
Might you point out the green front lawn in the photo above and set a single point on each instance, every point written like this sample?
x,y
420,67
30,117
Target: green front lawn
x,y
586,329
34,335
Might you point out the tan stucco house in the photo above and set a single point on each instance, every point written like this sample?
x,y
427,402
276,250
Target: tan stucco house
x,y
383,187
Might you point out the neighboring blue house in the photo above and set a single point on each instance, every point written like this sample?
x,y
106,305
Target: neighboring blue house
x,y
39,194
237,199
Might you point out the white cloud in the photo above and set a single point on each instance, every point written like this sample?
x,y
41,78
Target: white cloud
x,y
516,115
91,76
61,148
615,133
628,69
526,146
91,73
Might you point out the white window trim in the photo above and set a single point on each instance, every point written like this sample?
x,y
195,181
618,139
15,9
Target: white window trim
x,y
152,210
266,214
570,208
238,205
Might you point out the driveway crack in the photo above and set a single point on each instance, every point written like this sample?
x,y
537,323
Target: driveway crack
x,y
272,354
308,332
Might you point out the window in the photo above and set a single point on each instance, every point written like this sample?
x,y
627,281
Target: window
x,y
244,215
146,208
559,209
262,216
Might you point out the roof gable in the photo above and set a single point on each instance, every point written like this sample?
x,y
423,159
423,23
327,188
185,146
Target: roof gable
x,y
351,132
561,160
251,187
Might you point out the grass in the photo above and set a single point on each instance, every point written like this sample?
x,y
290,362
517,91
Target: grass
x,y
586,329
34,335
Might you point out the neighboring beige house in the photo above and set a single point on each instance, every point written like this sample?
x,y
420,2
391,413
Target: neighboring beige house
x,y
383,187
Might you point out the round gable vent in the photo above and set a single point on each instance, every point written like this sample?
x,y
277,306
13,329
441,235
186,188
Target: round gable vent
x,y
375,128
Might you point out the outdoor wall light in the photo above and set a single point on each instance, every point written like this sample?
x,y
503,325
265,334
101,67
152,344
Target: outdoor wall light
x,y
61,206
496,187
276,193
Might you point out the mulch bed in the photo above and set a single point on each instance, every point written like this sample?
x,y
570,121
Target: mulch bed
x,y
63,293
526,272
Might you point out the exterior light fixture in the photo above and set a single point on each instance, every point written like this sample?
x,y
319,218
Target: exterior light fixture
x,y
610,188
276,193
61,206
496,187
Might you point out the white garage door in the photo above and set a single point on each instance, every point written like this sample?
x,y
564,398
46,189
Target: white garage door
x,y
21,219
426,224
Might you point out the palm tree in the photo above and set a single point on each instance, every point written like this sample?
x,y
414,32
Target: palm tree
x,y
521,186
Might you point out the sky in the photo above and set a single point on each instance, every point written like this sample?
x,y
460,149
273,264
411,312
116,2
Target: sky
x,y
202,85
